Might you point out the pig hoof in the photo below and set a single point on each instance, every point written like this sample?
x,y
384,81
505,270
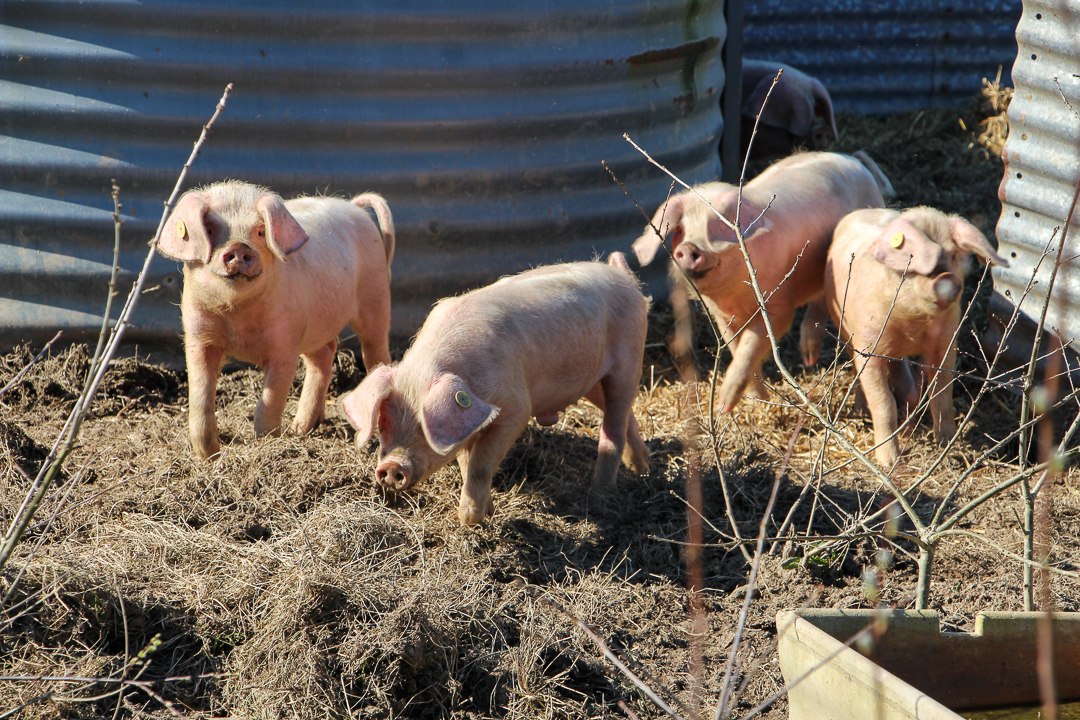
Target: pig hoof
x,y
207,451
302,428
637,460
473,515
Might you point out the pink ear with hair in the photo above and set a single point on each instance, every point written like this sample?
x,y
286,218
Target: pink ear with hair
x,y
184,236
902,247
967,236
748,217
452,412
667,219
283,234
361,406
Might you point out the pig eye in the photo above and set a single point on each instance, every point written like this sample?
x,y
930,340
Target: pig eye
x,y
676,236
262,232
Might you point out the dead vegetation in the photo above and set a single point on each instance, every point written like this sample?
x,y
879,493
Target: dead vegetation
x,y
281,584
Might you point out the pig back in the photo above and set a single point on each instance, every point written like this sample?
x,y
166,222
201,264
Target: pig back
x,y
544,337
341,270
810,193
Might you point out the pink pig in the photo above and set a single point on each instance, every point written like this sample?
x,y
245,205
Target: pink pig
x,y
485,362
809,193
267,281
893,283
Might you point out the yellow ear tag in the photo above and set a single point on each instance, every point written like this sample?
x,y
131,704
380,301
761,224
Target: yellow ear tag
x,y
462,398
181,229
897,240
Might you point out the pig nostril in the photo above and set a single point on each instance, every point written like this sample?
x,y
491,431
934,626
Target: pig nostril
x,y
399,478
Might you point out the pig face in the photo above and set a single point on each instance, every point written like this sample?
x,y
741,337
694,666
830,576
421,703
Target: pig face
x,y
934,251
413,446
236,232
700,242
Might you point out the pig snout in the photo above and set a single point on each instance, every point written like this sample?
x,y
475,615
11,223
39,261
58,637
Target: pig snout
x,y
240,259
690,258
392,475
946,287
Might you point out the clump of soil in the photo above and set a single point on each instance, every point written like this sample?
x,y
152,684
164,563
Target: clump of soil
x,y
277,582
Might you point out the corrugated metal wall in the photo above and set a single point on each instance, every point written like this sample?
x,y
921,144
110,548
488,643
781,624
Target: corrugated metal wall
x,y
878,57
1042,164
482,122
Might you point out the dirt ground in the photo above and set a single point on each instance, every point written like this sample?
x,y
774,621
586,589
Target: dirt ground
x,y
280,583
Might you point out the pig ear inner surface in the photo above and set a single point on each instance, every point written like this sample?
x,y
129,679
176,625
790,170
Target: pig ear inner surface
x,y
667,219
452,412
361,406
184,236
968,237
283,233
904,248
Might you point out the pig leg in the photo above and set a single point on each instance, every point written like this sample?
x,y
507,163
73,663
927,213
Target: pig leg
x,y
268,411
372,327
873,374
812,331
318,366
204,364
619,434
904,390
743,374
941,394
480,459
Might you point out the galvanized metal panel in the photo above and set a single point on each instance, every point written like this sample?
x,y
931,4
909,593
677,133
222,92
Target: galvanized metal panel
x,y
483,123
1042,165
879,57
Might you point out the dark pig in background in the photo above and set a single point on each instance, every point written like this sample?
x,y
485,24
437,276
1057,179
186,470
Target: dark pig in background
x,y
799,113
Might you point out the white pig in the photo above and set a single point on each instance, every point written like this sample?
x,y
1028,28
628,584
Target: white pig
x,y
799,111
485,362
893,282
809,193
267,281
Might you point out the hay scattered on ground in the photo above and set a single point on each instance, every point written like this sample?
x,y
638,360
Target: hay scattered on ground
x,y
281,577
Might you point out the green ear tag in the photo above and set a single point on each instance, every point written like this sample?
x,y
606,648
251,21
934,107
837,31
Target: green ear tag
x,y
462,398
181,229
897,240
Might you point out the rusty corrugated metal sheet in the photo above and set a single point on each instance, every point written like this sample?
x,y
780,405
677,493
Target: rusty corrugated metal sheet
x,y
482,122
878,57
1042,165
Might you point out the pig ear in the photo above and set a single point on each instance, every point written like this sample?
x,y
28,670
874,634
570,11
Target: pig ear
x,y
670,216
823,106
718,230
969,238
902,243
361,406
451,413
788,108
184,236
283,234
